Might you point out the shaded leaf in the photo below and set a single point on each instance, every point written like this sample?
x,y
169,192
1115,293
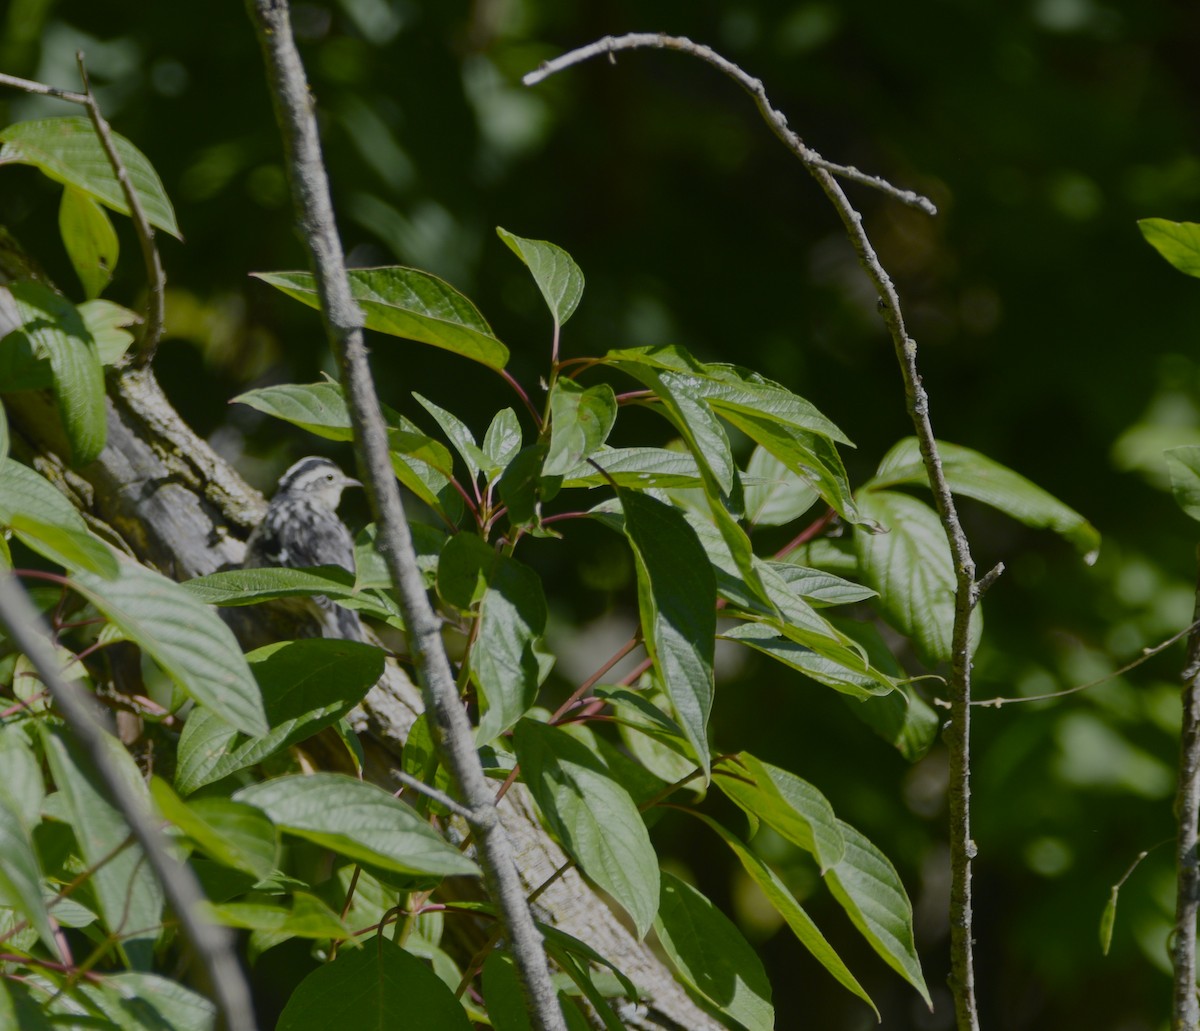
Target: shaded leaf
x,y
184,636
408,303
21,874
130,898
367,988
976,476
1183,463
677,604
911,568
306,685
786,906
52,330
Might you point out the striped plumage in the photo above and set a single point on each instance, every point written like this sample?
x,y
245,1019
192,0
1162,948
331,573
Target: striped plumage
x,y
302,528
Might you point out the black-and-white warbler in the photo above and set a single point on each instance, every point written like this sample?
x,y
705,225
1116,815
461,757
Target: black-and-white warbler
x,y
302,528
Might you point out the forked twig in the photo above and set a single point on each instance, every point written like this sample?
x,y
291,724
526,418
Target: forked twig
x,y
967,590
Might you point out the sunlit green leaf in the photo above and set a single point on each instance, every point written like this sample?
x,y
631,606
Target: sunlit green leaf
x,y
137,1001
458,433
1183,463
774,494
45,521
712,957
68,151
21,874
238,835
108,323
1178,242
502,442
870,891
308,917
89,238
638,467
592,816
555,272
408,303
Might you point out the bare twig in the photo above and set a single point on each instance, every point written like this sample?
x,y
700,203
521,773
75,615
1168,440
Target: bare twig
x,y
343,323
156,278
957,734
213,944
1185,1011
639,40
419,786
1147,653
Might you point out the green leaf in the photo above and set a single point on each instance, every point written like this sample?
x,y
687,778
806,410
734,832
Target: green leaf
x,y
235,587
504,997
842,669
21,874
68,151
1183,463
556,274
136,1001
503,441
90,240
52,330
1178,242
786,906
911,568
237,835
580,421
107,323
46,522
795,809
712,957
820,587
677,596
129,895
359,820
523,488
405,302
4,438
458,433
308,917
1108,920
306,685
20,776
592,816
638,467
774,494
975,476
367,988
184,636
870,891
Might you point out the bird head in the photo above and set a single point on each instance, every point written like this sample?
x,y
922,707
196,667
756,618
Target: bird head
x,y
316,479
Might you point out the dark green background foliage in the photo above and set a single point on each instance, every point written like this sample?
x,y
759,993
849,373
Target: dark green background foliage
x,y
1054,340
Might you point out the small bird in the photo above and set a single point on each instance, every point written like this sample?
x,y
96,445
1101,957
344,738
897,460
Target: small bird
x,y
302,528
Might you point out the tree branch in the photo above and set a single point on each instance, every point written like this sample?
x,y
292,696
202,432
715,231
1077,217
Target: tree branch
x,y
213,944
343,324
1185,1011
957,736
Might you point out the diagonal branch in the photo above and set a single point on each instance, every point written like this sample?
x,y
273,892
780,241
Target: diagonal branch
x,y
343,323
967,591
1185,1010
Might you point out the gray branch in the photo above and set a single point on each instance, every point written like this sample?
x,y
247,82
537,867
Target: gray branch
x,y
1185,1011
343,323
957,736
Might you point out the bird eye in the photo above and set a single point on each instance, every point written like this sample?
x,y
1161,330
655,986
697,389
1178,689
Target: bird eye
x,y
329,477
